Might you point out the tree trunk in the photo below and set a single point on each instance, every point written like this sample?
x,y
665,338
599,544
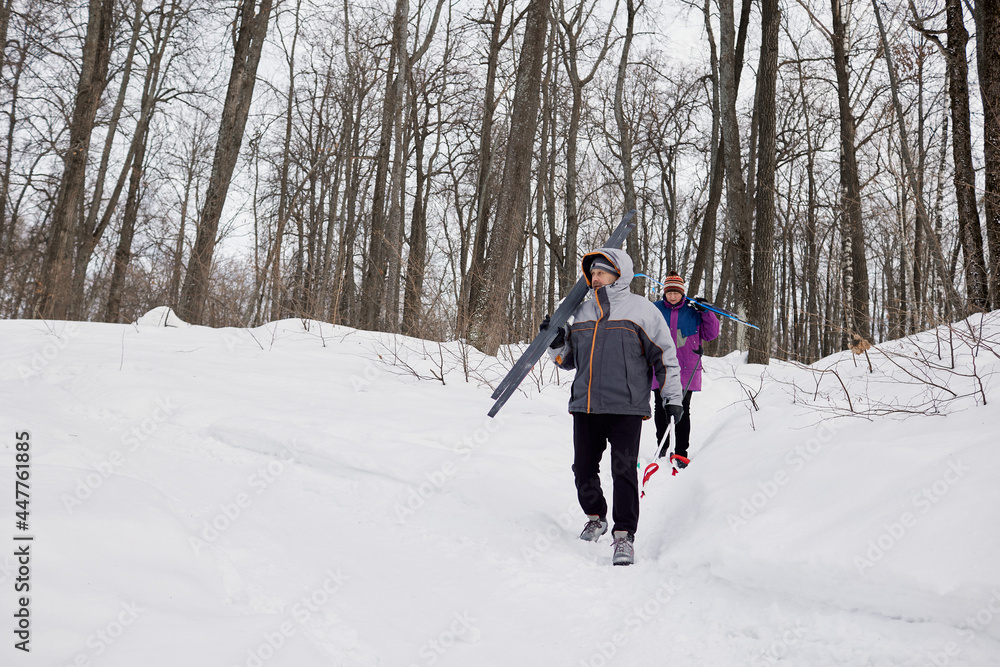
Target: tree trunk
x,y
625,140
415,261
762,298
377,258
135,160
545,197
5,10
850,186
704,261
345,296
394,216
123,253
397,184
739,209
970,233
490,326
54,289
810,286
988,54
473,283
277,312
7,231
572,30
89,233
250,29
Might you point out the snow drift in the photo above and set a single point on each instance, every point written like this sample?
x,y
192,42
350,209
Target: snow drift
x,y
302,494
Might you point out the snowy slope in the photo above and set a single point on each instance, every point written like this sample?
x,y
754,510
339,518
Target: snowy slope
x,y
302,494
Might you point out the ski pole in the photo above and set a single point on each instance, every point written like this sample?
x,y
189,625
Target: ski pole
x,y
643,275
653,466
666,434
687,389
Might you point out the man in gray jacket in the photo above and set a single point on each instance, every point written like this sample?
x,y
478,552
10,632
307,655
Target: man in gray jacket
x,y
617,342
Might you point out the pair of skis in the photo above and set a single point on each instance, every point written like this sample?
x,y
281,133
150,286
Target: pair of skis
x,y
719,311
706,305
508,385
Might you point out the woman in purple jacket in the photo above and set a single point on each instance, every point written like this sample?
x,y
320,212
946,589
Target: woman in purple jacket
x,y
690,326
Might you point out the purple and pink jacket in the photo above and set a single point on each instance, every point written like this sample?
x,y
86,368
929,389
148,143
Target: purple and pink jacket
x,y
689,329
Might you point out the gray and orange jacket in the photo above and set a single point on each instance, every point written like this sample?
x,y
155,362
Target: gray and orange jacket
x,y
618,342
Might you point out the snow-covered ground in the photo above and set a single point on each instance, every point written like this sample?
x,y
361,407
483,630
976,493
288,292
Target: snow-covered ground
x,y
302,494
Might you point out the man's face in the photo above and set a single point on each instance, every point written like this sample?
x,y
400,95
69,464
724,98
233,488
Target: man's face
x,y
673,298
601,278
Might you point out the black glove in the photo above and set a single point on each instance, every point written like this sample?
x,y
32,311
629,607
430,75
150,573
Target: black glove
x,y
560,338
674,411
696,304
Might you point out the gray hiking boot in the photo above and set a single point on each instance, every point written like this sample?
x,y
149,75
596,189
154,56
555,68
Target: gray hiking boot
x,y
624,554
596,526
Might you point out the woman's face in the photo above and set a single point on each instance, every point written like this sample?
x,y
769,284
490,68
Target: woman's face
x,y
673,298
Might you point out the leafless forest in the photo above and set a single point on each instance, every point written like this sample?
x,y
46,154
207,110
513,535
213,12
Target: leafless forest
x,y
829,168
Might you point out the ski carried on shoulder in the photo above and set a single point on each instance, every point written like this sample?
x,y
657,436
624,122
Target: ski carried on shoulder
x,y
537,348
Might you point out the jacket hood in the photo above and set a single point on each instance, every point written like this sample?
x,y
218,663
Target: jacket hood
x,y
618,258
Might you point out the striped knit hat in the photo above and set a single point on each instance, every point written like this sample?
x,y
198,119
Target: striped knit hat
x,y
673,283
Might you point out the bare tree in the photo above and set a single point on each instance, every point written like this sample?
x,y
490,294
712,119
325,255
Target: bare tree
x,y
195,151
152,92
853,231
762,301
970,233
922,217
490,325
277,311
738,205
473,285
625,133
426,99
54,289
988,59
573,43
705,255
249,31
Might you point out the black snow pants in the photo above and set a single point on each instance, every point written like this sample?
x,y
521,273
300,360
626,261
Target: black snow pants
x,y
591,435
682,430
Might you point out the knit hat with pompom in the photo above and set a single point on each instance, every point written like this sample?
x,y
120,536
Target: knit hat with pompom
x,y
673,283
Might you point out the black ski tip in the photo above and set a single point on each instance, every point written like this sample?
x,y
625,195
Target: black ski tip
x,y
496,407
